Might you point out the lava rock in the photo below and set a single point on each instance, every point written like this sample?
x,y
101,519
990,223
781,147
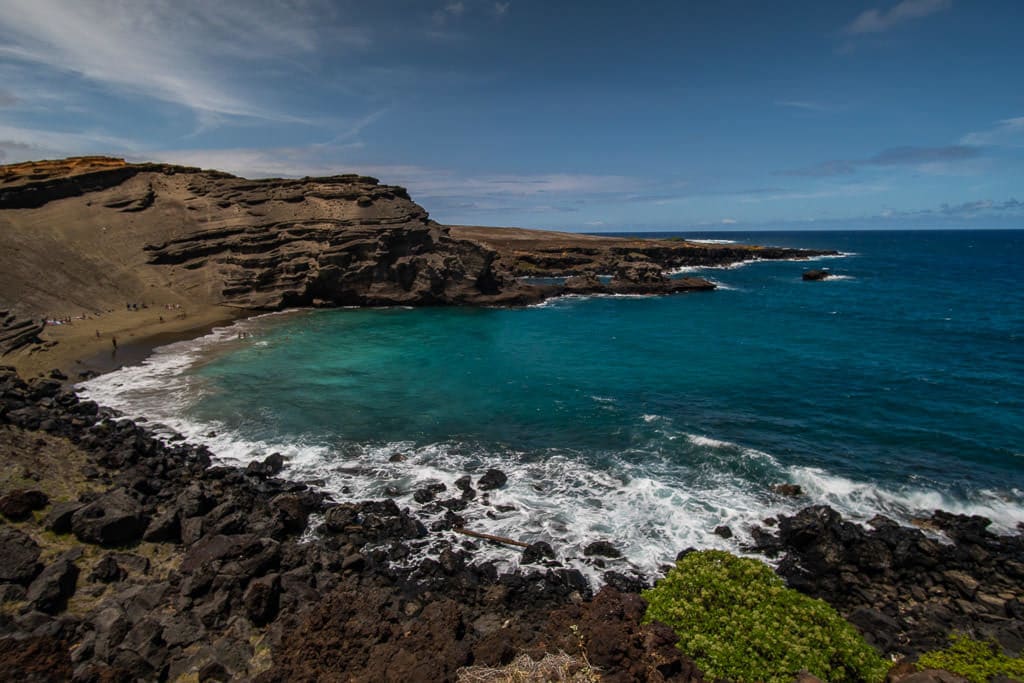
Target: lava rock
x,y
18,504
788,490
723,531
601,549
815,275
19,556
50,591
537,552
492,479
114,519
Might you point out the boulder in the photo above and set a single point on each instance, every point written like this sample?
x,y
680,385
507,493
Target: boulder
x,y
19,503
601,549
491,480
114,519
58,519
261,599
815,275
19,556
50,591
788,490
538,552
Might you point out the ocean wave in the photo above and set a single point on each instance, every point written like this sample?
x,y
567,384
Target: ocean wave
x,y
667,493
710,241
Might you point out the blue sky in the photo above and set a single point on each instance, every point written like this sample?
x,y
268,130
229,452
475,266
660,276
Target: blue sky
x,y
596,116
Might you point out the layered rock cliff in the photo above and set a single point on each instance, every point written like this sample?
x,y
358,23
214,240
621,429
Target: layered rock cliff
x,y
94,233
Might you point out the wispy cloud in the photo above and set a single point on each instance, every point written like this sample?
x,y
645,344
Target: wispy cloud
x,y
924,158
501,8
7,99
179,51
1008,133
435,187
879,21
806,105
19,143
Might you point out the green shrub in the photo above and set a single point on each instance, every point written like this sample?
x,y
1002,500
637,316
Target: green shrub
x,y
975,660
737,620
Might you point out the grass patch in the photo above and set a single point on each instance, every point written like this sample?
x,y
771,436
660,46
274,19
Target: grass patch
x,y
976,660
524,669
738,621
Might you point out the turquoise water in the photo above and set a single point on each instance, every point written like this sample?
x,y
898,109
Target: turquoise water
x,y
898,387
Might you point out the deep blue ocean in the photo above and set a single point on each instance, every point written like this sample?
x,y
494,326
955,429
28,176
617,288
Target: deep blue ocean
x,y
897,387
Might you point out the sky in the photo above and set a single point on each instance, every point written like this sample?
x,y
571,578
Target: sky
x,y
590,116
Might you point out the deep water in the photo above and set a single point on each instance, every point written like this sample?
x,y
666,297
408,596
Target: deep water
x,y
897,387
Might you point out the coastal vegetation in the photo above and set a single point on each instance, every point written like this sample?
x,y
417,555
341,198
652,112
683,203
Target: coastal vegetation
x,y
738,621
976,660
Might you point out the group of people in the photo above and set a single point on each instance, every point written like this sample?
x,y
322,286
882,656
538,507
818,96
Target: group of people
x,y
63,320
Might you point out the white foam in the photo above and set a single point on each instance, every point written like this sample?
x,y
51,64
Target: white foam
x,y
650,503
709,241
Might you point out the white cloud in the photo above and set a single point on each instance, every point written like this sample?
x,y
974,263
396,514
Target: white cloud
x,y
424,183
879,21
24,144
1008,133
180,51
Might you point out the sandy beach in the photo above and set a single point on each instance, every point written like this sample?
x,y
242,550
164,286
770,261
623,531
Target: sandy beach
x,y
87,344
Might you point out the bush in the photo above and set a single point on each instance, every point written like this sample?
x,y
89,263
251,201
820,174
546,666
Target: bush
x,y
975,660
738,621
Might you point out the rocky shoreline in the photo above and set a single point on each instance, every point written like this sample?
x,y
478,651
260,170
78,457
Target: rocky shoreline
x,y
128,557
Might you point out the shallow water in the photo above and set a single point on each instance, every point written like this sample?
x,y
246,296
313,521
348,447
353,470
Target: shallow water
x,y
898,387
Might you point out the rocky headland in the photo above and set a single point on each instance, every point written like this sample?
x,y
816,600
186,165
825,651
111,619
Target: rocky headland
x,y
114,249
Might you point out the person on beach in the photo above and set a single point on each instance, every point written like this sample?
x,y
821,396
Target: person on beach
x,y
113,340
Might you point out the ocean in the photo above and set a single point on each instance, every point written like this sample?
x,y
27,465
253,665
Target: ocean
x,y
896,387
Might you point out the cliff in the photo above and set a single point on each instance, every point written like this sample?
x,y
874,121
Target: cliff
x,y
90,234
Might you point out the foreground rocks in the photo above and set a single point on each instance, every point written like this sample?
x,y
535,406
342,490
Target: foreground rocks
x,y
145,562
904,589
163,566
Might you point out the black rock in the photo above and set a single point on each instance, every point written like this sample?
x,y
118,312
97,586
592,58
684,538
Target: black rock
x,y
19,556
538,552
788,490
601,549
50,591
107,570
261,599
491,480
814,275
19,503
723,531
113,519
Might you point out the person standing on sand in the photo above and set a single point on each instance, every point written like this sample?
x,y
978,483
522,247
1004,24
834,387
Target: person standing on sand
x,y
113,340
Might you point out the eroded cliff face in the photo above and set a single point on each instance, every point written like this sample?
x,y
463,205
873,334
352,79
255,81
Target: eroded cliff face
x,y
93,233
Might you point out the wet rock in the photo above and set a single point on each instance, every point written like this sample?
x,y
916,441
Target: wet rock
x,y
788,490
815,275
269,467
114,519
465,484
723,531
492,479
537,552
49,592
19,556
19,503
601,549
